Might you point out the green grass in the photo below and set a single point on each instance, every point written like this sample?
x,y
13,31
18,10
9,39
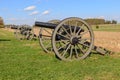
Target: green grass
x,y
25,60
107,27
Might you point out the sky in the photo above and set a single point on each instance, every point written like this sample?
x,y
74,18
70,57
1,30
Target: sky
x,y
29,11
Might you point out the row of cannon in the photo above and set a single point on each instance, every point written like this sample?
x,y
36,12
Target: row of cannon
x,y
70,39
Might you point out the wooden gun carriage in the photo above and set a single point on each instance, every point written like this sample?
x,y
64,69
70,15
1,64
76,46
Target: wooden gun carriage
x,y
70,39
24,32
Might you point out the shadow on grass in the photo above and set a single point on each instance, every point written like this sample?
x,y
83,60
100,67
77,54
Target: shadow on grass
x,y
5,40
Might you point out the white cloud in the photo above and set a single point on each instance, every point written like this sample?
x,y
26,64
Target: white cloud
x,y
34,13
29,8
46,12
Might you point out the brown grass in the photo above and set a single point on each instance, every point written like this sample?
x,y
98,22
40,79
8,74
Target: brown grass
x,y
109,40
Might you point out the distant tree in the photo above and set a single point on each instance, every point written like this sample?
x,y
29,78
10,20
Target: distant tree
x,y
108,22
1,23
114,22
95,21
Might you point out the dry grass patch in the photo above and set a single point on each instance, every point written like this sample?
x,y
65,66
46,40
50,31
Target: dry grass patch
x,y
109,40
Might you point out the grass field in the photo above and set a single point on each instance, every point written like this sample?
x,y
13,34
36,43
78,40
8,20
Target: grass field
x,y
107,27
25,60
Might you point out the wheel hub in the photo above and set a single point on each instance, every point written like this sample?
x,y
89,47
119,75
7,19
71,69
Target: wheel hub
x,y
74,40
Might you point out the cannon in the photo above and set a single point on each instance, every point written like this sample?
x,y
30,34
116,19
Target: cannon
x,y
70,39
24,32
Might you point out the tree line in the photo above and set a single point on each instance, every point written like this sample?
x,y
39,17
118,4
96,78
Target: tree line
x,y
1,23
96,21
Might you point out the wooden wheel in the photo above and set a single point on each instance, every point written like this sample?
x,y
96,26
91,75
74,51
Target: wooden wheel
x,y
72,39
45,35
29,34
23,32
19,33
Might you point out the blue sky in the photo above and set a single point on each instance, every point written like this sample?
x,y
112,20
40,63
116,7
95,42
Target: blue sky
x,y
27,11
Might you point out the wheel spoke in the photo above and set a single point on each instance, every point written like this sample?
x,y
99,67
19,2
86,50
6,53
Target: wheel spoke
x,y
71,51
66,49
63,46
47,31
49,44
70,27
81,49
66,31
79,29
76,52
75,27
63,35
84,32
84,44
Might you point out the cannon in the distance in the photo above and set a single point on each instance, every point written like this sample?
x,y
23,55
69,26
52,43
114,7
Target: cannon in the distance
x,y
24,32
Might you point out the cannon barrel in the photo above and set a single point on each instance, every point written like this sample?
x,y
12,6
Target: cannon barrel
x,y
14,27
45,25
53,26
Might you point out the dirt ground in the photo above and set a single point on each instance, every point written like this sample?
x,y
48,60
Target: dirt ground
x,y
9,29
